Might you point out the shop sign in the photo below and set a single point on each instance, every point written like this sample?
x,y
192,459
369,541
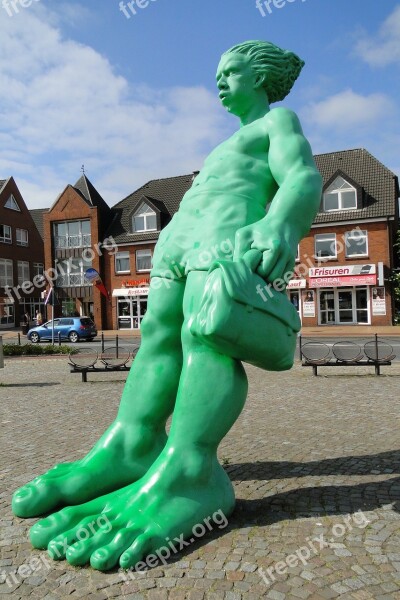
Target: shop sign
x,y
321,282
378,301
128,283
342,271
296,284
128,292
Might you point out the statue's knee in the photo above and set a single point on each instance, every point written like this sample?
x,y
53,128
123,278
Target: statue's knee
x,y
161,331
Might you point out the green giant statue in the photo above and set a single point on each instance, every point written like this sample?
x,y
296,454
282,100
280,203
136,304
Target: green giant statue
x,y
137,487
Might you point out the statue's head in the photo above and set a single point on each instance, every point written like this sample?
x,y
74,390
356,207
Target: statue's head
x,y
279,68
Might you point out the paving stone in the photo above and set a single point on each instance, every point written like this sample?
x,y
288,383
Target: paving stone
x,y
288,493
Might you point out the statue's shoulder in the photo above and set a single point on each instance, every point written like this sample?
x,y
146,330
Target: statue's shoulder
x,y
282,118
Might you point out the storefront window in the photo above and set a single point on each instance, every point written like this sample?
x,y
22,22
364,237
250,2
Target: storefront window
x,y
6,313
130,312
68,307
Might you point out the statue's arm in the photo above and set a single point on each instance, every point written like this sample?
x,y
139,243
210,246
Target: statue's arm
x,y
295,203
292,165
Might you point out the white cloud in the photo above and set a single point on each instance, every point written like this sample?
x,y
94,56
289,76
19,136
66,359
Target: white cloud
x,y
62,104
349,110
384,48
350,120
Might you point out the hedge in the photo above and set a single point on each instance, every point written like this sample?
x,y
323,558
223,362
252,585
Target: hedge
x,y
36,350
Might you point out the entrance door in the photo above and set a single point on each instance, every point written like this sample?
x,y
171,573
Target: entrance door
x,y
362,305
142,309
345,307
327,307
294,297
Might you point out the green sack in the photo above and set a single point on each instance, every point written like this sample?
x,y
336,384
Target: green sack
x,y
237,321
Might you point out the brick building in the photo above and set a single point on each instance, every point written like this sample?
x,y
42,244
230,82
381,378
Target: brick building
x,y
73,239
345,262
21,258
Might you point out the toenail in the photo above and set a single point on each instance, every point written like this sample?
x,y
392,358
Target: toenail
x,y
23,492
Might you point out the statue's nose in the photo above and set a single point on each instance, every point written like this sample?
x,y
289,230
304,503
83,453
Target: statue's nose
x,y
222,84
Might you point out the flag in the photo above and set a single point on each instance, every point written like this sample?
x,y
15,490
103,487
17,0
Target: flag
x,y
50,298
93,276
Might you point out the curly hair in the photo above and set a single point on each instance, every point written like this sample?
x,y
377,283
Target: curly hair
x,y
279,67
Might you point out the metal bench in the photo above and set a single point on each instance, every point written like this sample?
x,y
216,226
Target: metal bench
x,y
111,359
375,353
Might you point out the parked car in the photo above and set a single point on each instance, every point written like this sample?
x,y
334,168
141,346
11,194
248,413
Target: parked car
x,y
69,328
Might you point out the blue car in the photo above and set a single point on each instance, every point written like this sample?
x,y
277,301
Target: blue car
x,y
69,328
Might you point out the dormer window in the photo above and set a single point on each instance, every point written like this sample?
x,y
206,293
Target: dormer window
x,y
12,203
144,219
340,195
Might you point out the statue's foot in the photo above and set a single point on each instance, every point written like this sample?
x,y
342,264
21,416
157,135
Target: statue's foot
x,y
152,516
121,456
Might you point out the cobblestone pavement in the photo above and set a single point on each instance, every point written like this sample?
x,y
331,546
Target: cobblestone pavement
x,y
315,465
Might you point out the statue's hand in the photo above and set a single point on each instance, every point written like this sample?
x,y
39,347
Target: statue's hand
x,y
275,258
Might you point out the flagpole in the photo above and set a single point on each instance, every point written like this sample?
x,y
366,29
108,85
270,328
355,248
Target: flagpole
x,y
52,313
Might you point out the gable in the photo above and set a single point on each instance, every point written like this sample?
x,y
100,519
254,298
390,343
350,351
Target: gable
x,y
68,203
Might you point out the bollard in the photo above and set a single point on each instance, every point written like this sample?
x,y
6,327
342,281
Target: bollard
x,y
19,338
1,353
116,344
102,341
300,352
59,338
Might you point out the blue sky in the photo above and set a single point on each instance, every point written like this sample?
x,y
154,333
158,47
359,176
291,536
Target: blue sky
x,y
135,99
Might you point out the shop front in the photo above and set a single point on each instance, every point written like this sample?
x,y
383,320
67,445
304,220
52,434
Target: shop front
x,y
7,313
131,306
344,295
294,292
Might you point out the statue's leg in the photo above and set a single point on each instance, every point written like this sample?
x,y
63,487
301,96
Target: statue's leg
x,y
184,487
137,436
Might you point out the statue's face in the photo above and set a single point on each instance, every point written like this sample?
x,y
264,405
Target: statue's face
x,y
236,82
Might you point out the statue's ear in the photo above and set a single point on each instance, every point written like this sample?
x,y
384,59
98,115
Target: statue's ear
x,y
259,81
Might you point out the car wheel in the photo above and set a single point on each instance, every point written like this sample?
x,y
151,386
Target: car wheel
x,y
34,338
73,337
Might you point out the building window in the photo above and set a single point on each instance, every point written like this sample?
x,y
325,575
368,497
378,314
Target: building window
x,y
38,269
356,243
5,234
340,195
144,219
21,237
143,260
325,245
12,203
6,272
71,272
122,262
72,234
23,271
